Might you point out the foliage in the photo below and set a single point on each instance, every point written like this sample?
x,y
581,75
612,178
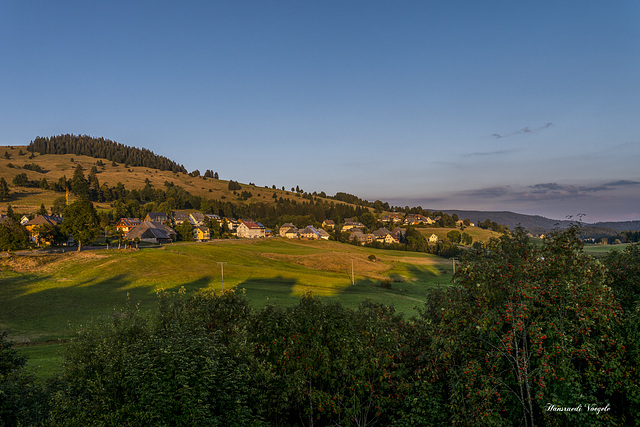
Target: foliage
x,y
624,268
22,400
234,185
167,369
454,236
4,190
102,148
13,236
81,221
525,326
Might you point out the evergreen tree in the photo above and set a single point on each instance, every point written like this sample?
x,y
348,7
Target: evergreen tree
x,y
42,210
4,190
79,185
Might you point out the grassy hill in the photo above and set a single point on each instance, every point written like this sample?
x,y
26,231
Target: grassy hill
x,y
45,297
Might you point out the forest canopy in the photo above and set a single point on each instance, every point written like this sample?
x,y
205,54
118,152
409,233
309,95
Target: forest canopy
x,y
84,145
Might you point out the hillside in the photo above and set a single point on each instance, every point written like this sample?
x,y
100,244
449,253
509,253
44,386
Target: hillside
x,y
57,166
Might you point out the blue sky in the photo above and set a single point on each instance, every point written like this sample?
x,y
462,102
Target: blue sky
x,y
532,107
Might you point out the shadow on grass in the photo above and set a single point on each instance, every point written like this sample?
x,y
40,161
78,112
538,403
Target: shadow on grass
x,y
272,290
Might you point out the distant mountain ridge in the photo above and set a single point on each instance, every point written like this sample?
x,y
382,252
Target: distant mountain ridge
x,y
538,224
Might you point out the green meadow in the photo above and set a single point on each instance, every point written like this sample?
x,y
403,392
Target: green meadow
x,y
44,298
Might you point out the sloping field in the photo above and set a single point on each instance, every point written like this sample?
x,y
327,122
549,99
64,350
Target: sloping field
x,y
45,297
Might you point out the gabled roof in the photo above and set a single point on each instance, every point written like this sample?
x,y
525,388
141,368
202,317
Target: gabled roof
x,y
381,232
179,216
251,224
45,219
197,216
128,222
323,233
151,230
157,216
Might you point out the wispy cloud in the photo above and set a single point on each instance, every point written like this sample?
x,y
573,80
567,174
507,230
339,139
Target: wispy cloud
x,y
544,191
622,182
525,130
488,153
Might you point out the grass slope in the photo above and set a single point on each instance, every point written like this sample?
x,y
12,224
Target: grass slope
x,y
46,297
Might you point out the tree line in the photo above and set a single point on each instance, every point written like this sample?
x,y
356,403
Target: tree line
x,y
521,330
102,148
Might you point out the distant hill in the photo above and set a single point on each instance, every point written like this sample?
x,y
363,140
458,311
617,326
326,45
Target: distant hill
x,y
537,224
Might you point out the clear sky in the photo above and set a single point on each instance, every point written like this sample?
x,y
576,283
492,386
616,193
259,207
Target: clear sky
x,y
528,106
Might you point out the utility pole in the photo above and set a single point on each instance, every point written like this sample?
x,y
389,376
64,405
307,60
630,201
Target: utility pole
x,y
221,264
454,264
353,281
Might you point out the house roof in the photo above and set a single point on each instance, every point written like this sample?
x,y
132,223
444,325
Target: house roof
x,y
151,230
309,229
157,216
252,224
45,219
197,216
179,216
128,222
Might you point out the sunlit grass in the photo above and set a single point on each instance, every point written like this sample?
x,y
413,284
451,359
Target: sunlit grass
x,y
49,302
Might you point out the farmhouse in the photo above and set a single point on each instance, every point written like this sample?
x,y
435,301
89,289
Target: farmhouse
x,y
201,234
348,225
328,224
250,229
433,238
152,232
156,217
286,227
125,224
323,234
309,232
291,233
196,218
179,217
35,226
383,235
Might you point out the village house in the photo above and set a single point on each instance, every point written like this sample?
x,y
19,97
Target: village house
x,y
125,224
156,217
178,217
34,226
324,235
286,227
152,232
291,233
328,224
309,232
250,229
385,236
433,238
196,218
392,218
201,233
415,219
348,225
